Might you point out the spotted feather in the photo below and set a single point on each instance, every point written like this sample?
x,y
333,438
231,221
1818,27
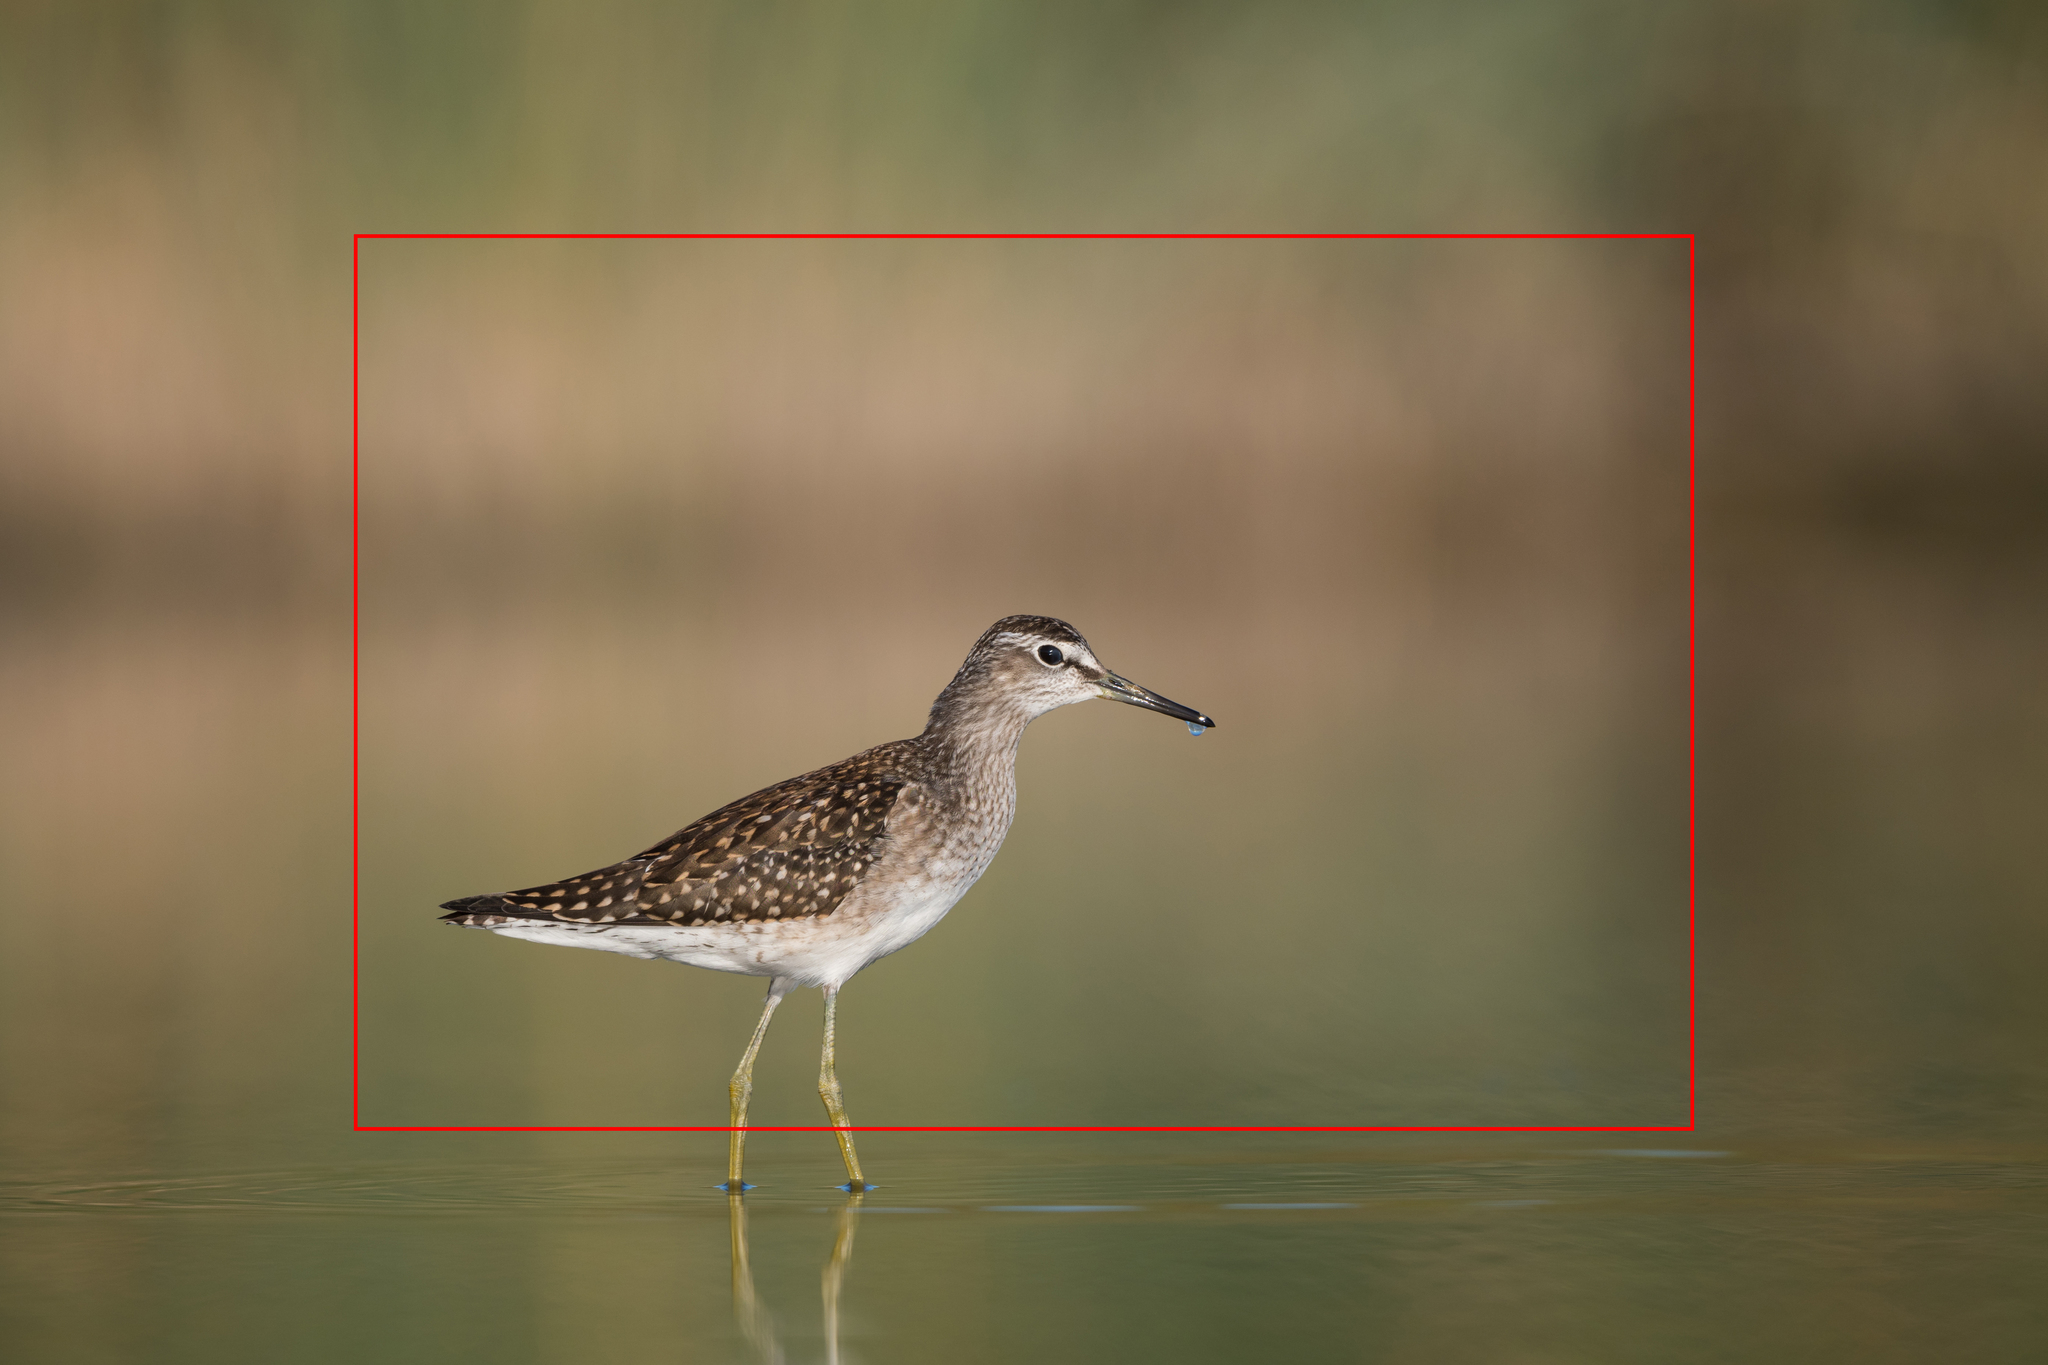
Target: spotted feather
x,y
792,851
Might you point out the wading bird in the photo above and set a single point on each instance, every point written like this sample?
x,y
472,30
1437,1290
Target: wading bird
x,y
810,880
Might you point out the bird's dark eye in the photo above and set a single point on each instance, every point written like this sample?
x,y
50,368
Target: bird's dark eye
x,y
1051,655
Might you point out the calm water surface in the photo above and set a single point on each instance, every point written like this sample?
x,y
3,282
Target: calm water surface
x,y
1021,1249
1867,1183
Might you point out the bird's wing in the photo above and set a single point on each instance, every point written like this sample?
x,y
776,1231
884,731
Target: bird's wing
x,y
791,851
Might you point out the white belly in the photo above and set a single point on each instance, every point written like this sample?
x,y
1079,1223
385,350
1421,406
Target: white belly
x,y
814,952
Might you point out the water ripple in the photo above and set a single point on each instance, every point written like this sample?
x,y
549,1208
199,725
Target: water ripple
x,y
1350,1183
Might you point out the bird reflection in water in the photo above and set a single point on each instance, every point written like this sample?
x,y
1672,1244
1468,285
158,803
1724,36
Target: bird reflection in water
x,y
756,1324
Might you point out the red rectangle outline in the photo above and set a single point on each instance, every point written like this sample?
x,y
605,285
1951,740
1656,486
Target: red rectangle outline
x,y
1691,670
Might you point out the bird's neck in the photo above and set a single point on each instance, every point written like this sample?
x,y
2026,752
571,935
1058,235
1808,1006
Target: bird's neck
x,y
973,740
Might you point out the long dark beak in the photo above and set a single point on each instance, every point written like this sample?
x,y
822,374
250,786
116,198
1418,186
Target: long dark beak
x,y
1124,690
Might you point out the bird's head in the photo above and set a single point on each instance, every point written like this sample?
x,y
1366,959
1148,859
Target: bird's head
x,y
1035,664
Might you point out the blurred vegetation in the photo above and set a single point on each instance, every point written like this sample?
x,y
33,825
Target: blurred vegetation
x,y
176,179
1463,456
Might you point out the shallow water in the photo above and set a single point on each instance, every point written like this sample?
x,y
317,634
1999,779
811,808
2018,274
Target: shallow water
x,y
1013,1249
1867,1183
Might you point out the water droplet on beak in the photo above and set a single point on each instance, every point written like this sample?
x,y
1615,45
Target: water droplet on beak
x,y
1194,729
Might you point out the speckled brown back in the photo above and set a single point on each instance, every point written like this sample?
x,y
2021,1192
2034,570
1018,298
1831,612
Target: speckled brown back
x,y
791,851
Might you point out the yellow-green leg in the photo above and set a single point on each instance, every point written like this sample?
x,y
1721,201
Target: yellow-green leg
x,y
835,1107
742,1088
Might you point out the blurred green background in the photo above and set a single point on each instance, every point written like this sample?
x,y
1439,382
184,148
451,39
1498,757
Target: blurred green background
x,y
649,524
